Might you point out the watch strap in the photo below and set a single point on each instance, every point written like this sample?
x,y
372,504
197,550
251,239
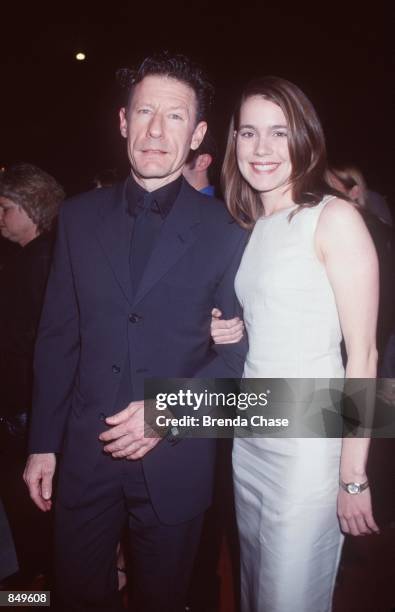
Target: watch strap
x,y
360,487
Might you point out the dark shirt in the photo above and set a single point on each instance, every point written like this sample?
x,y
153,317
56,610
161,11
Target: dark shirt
x,y
148,211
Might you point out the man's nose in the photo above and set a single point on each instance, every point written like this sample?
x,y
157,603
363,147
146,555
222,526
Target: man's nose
x,y
155,126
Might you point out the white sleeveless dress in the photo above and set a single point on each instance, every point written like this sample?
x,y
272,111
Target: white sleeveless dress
x,y
286,488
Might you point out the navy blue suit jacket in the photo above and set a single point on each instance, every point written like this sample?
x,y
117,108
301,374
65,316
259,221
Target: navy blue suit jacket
x,y
90,322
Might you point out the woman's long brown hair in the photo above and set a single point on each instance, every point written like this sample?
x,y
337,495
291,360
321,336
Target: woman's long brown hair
x,y
307,152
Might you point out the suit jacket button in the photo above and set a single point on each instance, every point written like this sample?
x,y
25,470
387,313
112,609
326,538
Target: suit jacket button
x,y
116,369
133,318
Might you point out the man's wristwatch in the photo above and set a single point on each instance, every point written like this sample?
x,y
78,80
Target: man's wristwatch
x,y
353,488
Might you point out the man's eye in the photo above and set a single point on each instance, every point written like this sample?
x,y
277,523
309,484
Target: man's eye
x,y
144,111
175,116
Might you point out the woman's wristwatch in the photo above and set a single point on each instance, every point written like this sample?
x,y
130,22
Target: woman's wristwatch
x,y
353,488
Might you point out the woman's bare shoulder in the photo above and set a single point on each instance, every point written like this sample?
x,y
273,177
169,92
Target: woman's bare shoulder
x,y
339,214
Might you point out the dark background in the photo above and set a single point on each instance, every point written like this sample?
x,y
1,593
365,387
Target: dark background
x,y
62,114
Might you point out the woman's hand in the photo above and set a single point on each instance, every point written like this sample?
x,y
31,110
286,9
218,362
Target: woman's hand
x,y
225,331
355,513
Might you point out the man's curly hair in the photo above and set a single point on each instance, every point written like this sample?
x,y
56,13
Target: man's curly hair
x,y
178,67
37,192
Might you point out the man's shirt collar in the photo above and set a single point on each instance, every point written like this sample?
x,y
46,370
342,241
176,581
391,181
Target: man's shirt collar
x,y
159,201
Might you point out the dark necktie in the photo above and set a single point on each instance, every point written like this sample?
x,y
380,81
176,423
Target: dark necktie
x,y
147,225
145,204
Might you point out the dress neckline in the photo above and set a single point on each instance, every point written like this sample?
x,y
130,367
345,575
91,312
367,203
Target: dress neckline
x,y
278,212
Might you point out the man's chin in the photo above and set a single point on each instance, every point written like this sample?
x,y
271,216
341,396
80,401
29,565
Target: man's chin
x,y
147,173
152,171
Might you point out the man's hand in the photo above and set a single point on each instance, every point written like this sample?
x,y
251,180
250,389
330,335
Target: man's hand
x,y
225,331
126,438
38,475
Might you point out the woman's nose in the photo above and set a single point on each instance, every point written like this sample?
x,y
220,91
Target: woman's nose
x,y
263,146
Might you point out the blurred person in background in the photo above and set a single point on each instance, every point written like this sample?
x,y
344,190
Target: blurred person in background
x,y
199,169
106,178
350,181
29,201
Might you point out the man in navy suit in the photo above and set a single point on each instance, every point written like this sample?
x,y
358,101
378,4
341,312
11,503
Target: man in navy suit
x,y
137,269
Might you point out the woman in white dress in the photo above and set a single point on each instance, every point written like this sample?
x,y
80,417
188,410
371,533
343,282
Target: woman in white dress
x,y
308,276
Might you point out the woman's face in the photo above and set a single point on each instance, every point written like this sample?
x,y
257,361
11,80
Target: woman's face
x,y
15,224
262,145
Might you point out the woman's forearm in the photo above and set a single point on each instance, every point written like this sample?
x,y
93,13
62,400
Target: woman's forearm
x,y
360,364
353,459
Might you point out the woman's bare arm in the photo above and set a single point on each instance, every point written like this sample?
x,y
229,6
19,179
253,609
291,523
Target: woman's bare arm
x,y
345,247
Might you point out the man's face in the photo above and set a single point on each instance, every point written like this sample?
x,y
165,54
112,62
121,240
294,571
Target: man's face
x,y
15,224
160,127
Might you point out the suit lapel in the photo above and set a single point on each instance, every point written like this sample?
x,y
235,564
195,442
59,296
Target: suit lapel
x,y
114,234
177,235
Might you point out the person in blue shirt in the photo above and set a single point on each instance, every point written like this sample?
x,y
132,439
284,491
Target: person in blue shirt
x,y
200,166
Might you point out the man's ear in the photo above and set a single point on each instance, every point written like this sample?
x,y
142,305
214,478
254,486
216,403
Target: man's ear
x,y
123,122
198,135
203,162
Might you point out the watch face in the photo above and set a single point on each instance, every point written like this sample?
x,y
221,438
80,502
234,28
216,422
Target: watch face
x,y
353,488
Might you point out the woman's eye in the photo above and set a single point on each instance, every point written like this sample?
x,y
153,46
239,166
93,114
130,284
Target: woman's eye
x,y
246,134
280,134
